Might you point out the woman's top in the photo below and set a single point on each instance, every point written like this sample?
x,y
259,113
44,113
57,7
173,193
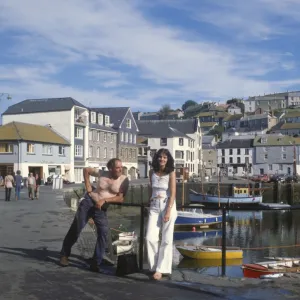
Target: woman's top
x,y
9,181
160,186
38,181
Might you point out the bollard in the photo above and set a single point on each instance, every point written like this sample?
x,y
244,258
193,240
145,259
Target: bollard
x,y
141,246
224,240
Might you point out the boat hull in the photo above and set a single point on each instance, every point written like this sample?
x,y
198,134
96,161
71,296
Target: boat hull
x,y
216,255
185,220
213,199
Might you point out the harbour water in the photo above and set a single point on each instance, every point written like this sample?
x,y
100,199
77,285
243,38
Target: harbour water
x,y
260,234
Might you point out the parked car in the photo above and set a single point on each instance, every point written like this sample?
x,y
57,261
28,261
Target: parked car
x,y
279,178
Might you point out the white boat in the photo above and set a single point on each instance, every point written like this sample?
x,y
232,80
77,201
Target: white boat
x,y
241,195
125,243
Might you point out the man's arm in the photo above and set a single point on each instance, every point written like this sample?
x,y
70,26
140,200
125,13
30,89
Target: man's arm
x,y
87,172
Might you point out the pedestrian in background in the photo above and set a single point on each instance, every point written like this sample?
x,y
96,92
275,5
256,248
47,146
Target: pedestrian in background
x,y
18,184
31,185
8,183
37,186
162,214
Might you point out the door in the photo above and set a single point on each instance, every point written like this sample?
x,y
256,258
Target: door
x,y
289,170
142,170
78,174
261,171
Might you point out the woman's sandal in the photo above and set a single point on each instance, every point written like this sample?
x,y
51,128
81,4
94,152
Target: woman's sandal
x,y
157,276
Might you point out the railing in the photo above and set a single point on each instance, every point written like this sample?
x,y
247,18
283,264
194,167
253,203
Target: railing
x,y
81,119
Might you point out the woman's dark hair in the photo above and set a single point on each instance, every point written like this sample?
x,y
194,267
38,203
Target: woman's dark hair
x,y
112,163
170,163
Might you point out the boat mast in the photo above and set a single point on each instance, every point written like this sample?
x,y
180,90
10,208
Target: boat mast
x,y
218,176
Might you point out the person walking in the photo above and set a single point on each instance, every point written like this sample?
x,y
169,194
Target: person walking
x,y
31,185
8,183
111,187
37,186
162,214
18,184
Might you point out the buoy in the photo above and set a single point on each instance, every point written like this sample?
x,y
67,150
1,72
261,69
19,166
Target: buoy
x,y
194,229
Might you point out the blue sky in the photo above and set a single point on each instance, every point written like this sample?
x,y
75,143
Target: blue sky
x,y
143,54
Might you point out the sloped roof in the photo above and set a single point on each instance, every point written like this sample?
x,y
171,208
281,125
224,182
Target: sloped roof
x,y
290,126
292,114
208,124
233,117
275,140
187,126
117,114
102,127
42,105
29,132
235,143
207,139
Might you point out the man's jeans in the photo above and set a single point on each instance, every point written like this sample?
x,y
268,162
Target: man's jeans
x,y
85,211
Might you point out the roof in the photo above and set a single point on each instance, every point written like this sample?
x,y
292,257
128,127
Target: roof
x,y
187,126
101,127
42,105
292,114
116,114
208,124
233,106
29,132
233,118
235,143
207,139
256,117
275,140
290,126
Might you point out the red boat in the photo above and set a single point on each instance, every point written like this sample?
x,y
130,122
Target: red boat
x,y
260,269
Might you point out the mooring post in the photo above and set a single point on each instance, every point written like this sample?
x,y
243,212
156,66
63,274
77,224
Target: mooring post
x,y
142,230
224,210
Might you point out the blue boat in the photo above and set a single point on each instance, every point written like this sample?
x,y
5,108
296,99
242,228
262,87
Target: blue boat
x,y
194,217
196,235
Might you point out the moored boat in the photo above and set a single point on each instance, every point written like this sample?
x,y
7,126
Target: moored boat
x,y
207,263
257,270
209,252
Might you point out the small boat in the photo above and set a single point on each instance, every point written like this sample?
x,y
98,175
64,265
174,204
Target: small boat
x,y
196,237
279,206
260,269
192,217
209,252
125,243
187,263
241,195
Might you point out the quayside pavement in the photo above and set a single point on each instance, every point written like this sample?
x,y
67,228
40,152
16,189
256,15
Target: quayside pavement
x,y
31,233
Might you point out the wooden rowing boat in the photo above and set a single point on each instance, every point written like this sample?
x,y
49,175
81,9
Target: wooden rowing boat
x,y
261,269
209,252
188,263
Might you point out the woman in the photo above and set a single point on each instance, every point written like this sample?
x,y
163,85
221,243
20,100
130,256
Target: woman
x,y
38,183
162,214
18,184
8,182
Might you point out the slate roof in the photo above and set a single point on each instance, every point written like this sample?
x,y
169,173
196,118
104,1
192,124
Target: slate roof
x,y
102,127
29,132
208,124
235,143
42,105
207,139
275,140
232,118
292,114
116,114
186,126
290,126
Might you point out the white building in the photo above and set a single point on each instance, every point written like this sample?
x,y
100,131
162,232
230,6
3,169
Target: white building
x,y
235,157
182,137
65,115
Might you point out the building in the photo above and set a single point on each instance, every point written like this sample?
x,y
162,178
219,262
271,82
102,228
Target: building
x,y
275,154
232,109
235,157
257,122
209,153
33,148
144,157
172,115
232,121
102,140
272,101
182,137
123,122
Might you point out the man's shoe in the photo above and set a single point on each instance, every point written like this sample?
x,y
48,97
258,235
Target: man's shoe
x,y
94,267
64,261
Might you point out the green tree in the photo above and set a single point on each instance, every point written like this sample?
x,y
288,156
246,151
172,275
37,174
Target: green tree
x,y
187,104
164,111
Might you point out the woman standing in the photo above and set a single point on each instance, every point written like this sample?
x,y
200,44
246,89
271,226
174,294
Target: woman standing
x,y
8,182
162,215
37,186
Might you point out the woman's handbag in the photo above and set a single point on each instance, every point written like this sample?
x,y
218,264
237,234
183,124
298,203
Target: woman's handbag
x,y
127,264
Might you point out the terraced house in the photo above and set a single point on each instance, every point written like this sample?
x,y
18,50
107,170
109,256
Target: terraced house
x,y
123,123
33,148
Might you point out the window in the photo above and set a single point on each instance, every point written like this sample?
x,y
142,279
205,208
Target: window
x,y
105,137
126,137
230,151
105,153
78,133
93,117
47,149
266,156
238,160
246,151
112,153
111,138
180,141
30,148
283,156
163,141
223,152
223,160
134,139
61,150
91,135
246,160
129,153
230,160
78,150
140,152
6,148
280,167
98,136
106,120
108,137
239,151
100,119
283,148
270,167
91,151
130,138
128,123
122,136
98,152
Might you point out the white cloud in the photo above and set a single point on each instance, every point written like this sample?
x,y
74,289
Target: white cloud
x,y
92,32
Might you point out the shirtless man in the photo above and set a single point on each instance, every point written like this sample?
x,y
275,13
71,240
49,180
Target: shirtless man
x,y
111,188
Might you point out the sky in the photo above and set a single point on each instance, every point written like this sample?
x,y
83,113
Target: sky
x,y
144,54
